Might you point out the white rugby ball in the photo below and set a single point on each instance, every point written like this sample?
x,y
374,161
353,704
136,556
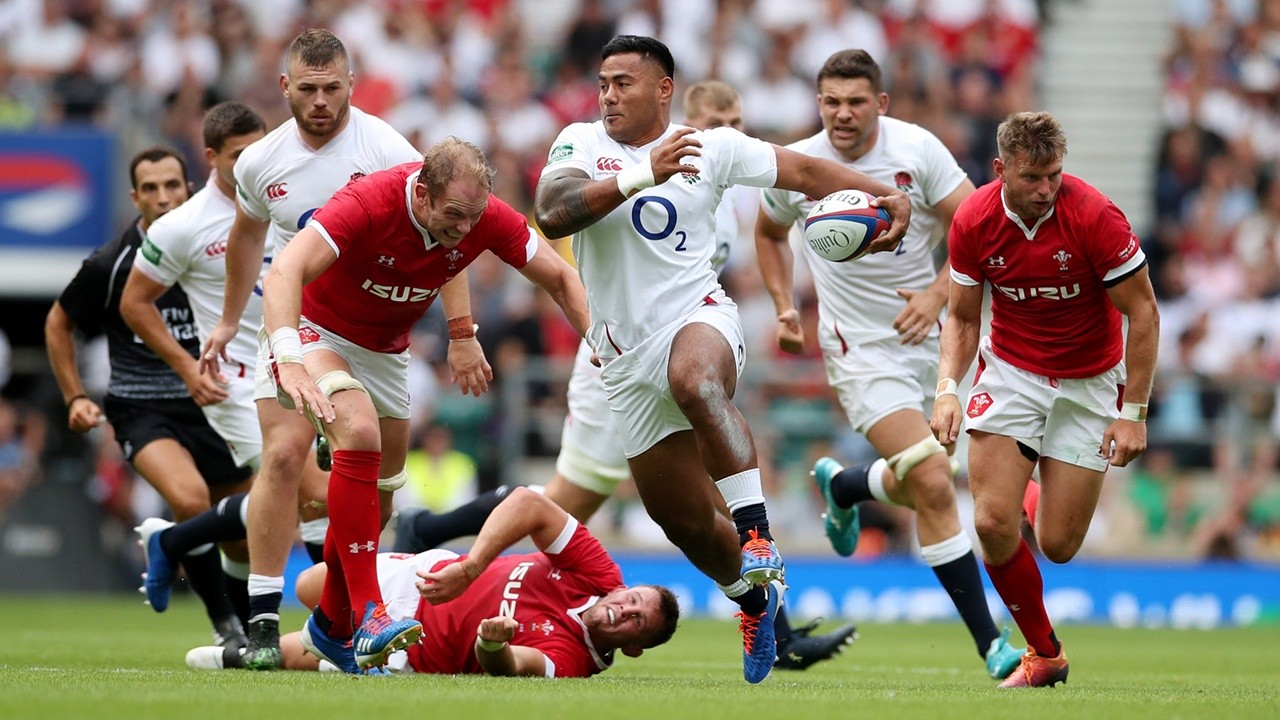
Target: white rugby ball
x,y
841,225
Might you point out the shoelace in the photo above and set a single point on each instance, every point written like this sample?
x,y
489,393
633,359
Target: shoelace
x,y
379,620
748,625
758,546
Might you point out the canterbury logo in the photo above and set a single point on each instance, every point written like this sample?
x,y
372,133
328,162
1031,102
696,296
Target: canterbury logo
x,y
609,164
366,547
275,191
217,248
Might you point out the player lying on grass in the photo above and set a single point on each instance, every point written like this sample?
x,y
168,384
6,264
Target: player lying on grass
x,y
559,612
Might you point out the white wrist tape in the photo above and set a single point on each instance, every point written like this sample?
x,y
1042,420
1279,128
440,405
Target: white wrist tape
x,y
947,386
286,345
490,645
1134,412
636,178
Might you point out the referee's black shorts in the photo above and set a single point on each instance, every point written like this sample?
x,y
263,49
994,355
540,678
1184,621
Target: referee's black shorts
x,y
139,422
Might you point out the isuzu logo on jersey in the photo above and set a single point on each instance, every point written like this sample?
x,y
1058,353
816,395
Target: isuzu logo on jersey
x,y
1047,292
609,164
511,591
275,191
1062,256
399,293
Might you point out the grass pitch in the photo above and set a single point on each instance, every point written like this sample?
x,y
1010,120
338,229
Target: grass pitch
x,y
108,657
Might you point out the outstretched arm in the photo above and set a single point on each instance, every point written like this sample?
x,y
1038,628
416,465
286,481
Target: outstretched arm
x,y
551,273
524,513
303,259
467,364
568,201
773,254
1135,298
960,335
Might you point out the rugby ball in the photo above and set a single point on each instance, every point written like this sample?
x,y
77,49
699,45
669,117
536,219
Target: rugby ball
x,y
841,225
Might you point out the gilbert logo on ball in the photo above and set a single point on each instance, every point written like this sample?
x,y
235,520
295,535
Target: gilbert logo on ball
x,y
843,224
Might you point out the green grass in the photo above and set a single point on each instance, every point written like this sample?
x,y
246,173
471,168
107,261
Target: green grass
x,y
107,657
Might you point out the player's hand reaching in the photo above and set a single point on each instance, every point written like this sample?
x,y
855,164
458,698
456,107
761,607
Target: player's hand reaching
x,y
83,414
296,382
919,316
947,419
205,388
468,366
1123,442
498,629
899,207
448,582
668,158
790,334
215,348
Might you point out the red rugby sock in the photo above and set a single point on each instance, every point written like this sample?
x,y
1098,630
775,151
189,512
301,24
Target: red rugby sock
x,y
1022,588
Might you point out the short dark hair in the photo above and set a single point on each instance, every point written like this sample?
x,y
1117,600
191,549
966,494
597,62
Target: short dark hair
x,y
648,48
153,154
669,605
317,48
451,158
227,120
852,64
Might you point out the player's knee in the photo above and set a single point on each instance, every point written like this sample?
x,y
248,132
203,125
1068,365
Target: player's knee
x,y
992,527
1062,549
357,433
282,464
698,391
929,484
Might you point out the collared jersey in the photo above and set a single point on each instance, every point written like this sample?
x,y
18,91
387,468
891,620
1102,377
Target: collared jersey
x,y
546,592
92,301
188,247
1050,313
649,261
283,180
857,301
389,269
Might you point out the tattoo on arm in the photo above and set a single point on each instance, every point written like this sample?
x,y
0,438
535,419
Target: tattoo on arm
x,y
561,204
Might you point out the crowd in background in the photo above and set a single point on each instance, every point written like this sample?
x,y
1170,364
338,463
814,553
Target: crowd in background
x,y
508,74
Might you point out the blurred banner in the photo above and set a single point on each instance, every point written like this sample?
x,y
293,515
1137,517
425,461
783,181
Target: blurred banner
x,y
55,205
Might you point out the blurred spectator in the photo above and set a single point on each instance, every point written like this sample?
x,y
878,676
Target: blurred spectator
x,y
440,477
21,440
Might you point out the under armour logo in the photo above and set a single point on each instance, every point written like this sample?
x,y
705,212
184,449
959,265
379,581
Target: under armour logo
x,y
367,547
386,260
996,261
1015,608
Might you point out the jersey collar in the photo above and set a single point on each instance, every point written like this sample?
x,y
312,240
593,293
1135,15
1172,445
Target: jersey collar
x,y
602,660
1029,232
428,241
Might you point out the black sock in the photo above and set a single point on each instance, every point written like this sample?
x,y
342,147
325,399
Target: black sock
x,y
322,621
753,601
963,582
315,551
266,604
431,530
238,594
781,627
751,517
204,572
1057,646
852,485
217,524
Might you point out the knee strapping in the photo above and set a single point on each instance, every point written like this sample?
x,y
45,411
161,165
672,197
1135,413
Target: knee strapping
x,y
903,462
395,482
338,380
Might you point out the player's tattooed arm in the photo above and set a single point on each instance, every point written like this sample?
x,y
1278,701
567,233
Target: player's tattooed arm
x,y
568,201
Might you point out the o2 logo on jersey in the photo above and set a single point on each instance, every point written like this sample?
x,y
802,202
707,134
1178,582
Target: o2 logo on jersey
x,y
304,217
276,191
669,224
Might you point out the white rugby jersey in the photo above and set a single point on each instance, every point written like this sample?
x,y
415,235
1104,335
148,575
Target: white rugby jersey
x,y
857,302
283,180
648,262
190,249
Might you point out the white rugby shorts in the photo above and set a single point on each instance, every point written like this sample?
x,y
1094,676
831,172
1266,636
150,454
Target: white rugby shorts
x,y
384,375
590,445
876,379
1060,418
636,381
397,579
236,418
